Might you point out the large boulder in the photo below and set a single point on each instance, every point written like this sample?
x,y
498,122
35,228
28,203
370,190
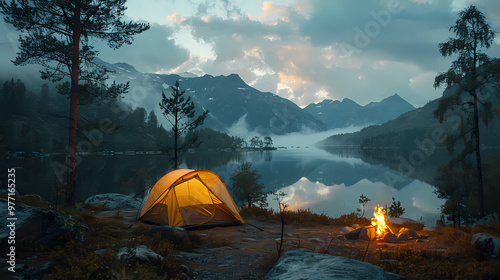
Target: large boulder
x,y
402,221
32,224
305,264
488,245
488,220
114,201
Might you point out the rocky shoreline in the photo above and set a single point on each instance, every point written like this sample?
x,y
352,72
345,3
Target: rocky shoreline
x,y
248,251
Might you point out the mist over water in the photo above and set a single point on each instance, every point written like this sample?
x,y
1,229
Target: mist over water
x,y
306,137
309,138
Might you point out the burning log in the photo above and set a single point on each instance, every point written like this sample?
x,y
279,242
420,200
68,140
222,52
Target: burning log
x,y
379,221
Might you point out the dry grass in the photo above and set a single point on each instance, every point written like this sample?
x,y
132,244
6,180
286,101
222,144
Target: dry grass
x,y
350,219
210,240
77,259
449,255
32,200
304,217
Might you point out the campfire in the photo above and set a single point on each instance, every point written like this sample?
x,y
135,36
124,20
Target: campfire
x,y
378,221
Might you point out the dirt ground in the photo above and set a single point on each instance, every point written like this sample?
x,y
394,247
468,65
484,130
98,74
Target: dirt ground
x,y
252,248
249,251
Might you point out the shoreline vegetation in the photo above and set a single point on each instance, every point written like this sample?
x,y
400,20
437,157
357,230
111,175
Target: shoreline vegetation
x,y
97,233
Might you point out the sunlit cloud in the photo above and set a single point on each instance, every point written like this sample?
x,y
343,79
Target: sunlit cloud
x,y
176,17
206,18
297,49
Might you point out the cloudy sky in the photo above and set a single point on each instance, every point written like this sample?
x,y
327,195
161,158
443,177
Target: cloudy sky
x,y
303,50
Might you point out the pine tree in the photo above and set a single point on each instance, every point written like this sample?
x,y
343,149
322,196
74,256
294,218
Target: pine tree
x,y
470,72
152,121
57,35
246,186
180,113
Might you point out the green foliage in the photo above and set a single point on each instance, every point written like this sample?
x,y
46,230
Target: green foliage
x,y
180,113
395,210
350,219
456,185
256,143
246,187
44,111
48,30
468,102
212,139
56,35
363,200
92,255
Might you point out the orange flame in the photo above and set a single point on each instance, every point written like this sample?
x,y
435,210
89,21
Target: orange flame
x,y
378,220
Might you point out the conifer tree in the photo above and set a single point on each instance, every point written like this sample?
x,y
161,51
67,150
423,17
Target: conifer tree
x,y
58,36
180,113
470,72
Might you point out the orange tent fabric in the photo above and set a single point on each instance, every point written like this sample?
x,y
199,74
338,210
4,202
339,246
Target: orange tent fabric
x,y
186,197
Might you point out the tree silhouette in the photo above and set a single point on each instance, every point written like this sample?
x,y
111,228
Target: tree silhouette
x,y
470,71
180,113
57,35
246,186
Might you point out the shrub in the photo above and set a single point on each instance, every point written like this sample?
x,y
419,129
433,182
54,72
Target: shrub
x,y
350,219
395,210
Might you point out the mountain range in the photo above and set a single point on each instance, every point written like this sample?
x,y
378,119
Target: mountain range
x,y
345,113
415,129
234,104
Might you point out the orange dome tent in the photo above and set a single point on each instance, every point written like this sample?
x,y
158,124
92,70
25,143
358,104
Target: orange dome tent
x,y
190,198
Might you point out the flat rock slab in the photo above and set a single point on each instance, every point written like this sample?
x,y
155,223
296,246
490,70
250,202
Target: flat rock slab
x,y
301,264
37,225
114,201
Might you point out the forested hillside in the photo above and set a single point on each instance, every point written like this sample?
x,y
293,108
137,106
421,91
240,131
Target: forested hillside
x,y
405,131
36,120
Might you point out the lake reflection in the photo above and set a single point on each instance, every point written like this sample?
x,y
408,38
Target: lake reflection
x,y
332,183
314,179
417,198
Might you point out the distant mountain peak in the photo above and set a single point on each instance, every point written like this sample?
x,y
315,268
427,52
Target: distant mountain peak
x,y
125,66
188,75
339,114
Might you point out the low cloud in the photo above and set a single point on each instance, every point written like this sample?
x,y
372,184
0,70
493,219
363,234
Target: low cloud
x,y
152,51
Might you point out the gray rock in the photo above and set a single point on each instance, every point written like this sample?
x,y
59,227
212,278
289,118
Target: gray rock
x,y
301,264
403,236
488,245
347,229
175,234
340,237
401,220
361,233
33,224
410,233
490,219
315,239
140,253
114,201
391,238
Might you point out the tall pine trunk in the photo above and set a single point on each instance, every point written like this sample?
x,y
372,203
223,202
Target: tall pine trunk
x,y
176,137
75,62
476,132
478,160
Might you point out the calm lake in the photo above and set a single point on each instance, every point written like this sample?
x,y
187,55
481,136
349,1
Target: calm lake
x,y
329,182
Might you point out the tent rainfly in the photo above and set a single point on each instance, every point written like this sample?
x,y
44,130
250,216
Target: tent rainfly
x,y
190,198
